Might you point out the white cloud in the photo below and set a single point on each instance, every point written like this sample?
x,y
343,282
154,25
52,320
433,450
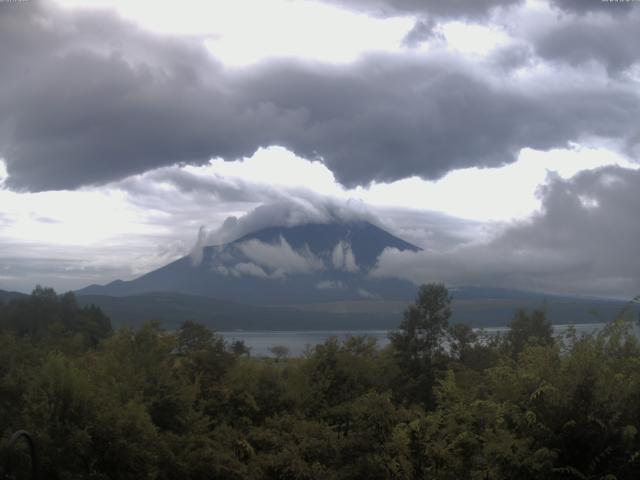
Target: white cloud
x,y
342,257
365,293
330,285
280,257
241,32
3,172
498,194
472,38
197,251
140,215
582,241
159,255
290,208
492,194
222,270
250,269
481,265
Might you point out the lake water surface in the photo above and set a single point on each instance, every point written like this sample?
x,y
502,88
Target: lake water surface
x,y
297,341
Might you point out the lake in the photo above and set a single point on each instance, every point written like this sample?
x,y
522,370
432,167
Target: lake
x,y
296,341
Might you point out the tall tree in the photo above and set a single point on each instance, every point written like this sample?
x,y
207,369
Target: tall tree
x,y
529,329
418,343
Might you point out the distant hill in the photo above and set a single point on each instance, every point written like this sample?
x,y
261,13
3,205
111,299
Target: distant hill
x,y
6,296
280,265
171,309
493,307
478,307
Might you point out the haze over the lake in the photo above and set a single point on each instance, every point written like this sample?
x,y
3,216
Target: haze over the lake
x,y
500,136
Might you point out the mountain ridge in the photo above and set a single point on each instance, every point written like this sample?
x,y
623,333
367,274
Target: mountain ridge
x,y
7,295
320,262
171,309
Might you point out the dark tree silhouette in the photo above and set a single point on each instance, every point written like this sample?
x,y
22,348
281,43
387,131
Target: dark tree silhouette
x,y
418,342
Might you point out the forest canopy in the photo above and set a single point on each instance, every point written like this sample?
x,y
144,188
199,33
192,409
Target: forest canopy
x,y
439,402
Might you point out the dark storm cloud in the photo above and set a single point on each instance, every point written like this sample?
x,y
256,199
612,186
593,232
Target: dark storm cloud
x,y
427,12
584,240
611,42
151,186
593,220
610,37
390,118
591,223
583,7
464,9
88,99
474,9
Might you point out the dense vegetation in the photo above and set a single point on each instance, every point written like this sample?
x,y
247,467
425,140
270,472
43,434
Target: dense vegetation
x,y
439,402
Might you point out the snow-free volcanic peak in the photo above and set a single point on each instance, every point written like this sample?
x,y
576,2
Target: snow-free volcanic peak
x,y
281,265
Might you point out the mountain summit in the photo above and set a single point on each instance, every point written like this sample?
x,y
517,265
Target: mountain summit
x,y
280,265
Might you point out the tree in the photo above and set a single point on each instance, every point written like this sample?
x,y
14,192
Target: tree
x,y
281,352
528,329
46,315
194,337
462,338
418,341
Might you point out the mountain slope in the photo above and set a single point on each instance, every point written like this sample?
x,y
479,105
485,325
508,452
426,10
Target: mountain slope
x,y
6,296
495,309
171,309
280,265
366,240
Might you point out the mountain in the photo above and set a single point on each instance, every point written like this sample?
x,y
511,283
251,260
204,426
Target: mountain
x,y
366,240
493,307
6,296
308,277
171,309
279,266
474,306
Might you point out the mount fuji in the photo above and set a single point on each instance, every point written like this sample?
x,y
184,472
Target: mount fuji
x,y
313,276
280,266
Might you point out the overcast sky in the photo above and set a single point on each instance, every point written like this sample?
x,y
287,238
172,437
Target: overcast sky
x,y
501,136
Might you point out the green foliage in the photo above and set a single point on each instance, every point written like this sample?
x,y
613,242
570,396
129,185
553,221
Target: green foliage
x,y
528,329
417,343
58,318
440,402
